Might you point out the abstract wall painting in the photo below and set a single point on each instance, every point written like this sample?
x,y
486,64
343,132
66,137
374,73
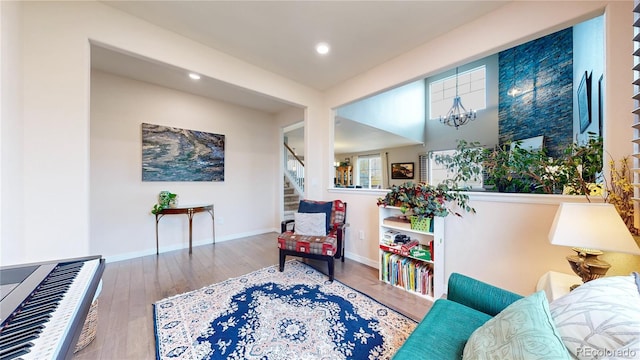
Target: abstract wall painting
x,y
173,154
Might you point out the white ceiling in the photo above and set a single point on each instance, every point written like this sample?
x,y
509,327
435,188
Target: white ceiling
x,y
280,36
148,70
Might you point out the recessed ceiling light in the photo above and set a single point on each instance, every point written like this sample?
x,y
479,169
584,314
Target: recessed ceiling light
x,y
322,48
194,76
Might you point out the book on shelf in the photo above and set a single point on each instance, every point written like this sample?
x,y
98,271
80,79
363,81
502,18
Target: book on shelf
x,y
410,274
402,249
405,248
422,252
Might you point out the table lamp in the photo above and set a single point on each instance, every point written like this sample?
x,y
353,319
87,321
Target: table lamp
x,y
590,228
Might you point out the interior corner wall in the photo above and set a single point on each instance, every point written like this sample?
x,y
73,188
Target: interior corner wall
x,y
121,224
55,42
399,111
11,129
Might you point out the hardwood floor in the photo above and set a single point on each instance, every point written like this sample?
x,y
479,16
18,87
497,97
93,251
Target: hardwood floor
x,y
130,287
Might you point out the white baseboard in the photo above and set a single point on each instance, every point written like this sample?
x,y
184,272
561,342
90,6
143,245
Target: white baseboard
x,y
150,251
361,259
163,249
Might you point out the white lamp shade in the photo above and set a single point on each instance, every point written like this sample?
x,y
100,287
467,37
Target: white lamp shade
x,y
592,226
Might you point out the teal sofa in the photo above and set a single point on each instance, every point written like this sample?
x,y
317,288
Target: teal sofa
x,y
444,331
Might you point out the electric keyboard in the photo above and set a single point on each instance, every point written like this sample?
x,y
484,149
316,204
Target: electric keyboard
x,y
43,307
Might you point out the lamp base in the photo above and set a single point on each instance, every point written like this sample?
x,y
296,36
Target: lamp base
x,y
587,265
574,286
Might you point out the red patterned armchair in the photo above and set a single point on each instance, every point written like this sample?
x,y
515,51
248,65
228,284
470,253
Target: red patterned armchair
x,y
324,224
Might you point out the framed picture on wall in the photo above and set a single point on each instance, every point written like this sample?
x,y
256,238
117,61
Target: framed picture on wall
x,y
402,170
584,101
174,154
600,103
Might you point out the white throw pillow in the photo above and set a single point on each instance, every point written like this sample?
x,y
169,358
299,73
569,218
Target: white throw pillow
x,y
600,318
312,224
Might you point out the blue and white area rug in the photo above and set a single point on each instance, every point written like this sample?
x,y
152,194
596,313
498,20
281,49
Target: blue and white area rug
x,y
296,314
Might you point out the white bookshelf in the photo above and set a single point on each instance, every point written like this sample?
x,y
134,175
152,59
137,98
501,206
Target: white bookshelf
x,y
424,238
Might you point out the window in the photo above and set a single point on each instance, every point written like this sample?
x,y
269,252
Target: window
x,y
438,173
369,171
472,87
423,163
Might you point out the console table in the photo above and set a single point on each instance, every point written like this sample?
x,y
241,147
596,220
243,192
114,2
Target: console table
x,y
189,211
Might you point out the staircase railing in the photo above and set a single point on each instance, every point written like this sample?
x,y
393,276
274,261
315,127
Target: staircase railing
x,y
294,169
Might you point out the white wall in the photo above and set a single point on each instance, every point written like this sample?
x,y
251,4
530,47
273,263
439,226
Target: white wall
x,y
55,56
505,243
399,111
588,39
11,129
121,224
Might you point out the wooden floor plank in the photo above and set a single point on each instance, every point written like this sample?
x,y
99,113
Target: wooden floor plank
x,y
130,287
138,326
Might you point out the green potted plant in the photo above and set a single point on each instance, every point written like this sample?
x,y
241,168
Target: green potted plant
x,y
511,168
505,168
166,199
464,164
583,165
421,202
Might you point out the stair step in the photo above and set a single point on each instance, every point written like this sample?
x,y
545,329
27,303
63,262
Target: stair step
x,y
291,200
289,214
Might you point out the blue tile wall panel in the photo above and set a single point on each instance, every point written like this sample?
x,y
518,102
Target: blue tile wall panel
x,y
543,70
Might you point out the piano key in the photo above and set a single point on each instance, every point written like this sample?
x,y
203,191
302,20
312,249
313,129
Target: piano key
x,y
53,283
15,353
65,274
47,294
48,307
37,302
18,340
27,322
58,327
4,339
46,310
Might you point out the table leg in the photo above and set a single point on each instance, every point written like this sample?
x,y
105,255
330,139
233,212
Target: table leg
x,y
157,219
213,225
190,215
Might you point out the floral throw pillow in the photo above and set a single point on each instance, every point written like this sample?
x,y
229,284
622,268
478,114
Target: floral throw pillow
x,y
522,331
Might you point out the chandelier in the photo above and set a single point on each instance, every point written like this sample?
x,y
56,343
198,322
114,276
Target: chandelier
x,y
458,114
